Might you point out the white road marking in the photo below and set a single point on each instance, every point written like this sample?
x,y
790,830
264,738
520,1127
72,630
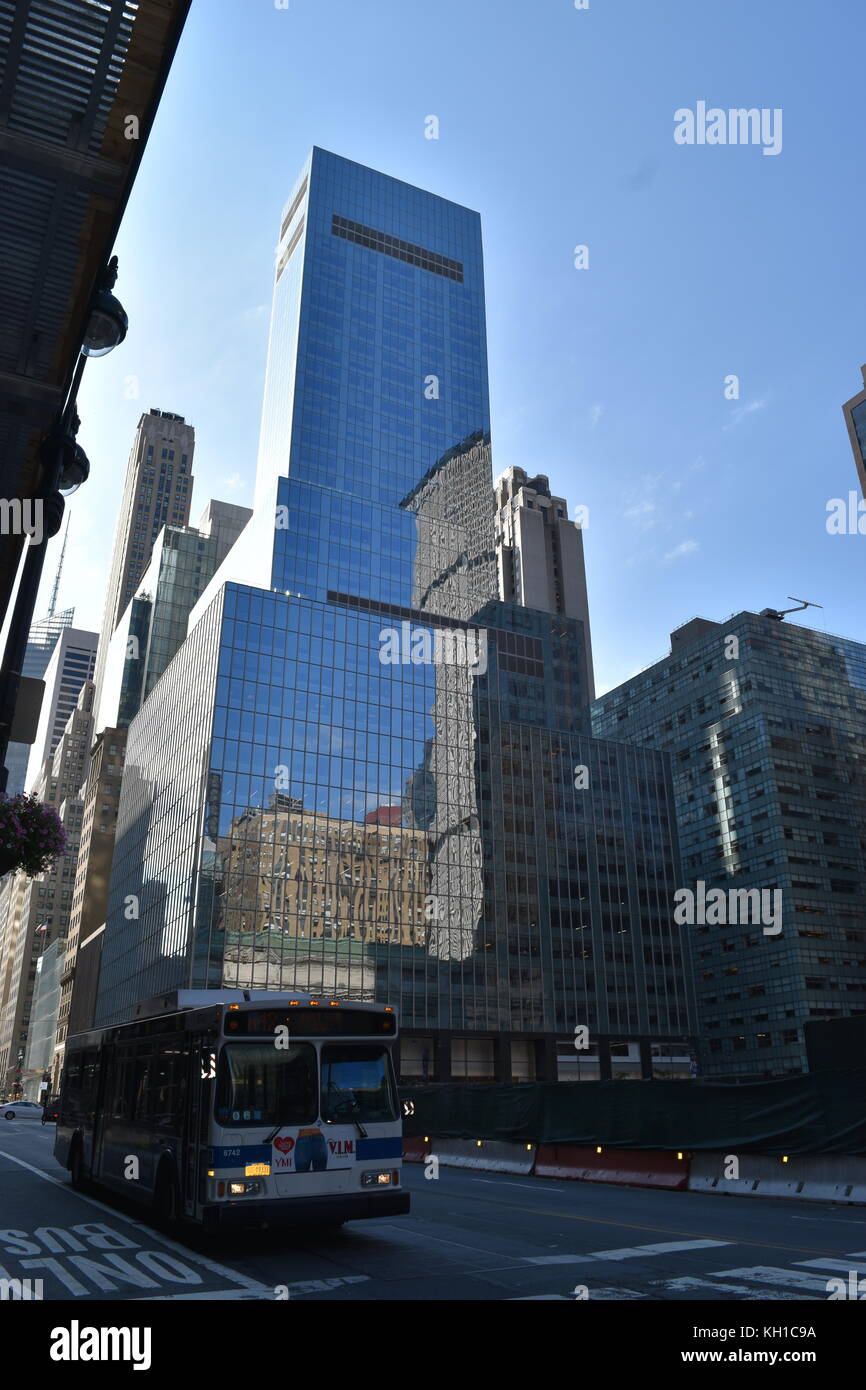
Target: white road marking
x,y
219,1270
770,1274
847,1264
612,1294
742,1291
605,1292
304,1286
221,1296
628,1252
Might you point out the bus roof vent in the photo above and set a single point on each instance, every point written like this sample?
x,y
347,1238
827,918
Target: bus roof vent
x,y
175,1000
178,999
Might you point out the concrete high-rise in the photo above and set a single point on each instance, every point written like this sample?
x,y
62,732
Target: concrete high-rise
x,y
351,663
39,1053
100,797
35,912
157,492
539,552
855,418
154,623
765,722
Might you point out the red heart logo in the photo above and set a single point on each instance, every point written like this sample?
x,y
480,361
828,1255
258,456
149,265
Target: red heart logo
x,y
285,1146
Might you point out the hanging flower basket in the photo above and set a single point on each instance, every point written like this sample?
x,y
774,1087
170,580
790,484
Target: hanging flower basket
x,y
32,835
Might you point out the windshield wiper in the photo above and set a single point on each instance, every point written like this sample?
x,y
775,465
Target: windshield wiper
x,y
338,1119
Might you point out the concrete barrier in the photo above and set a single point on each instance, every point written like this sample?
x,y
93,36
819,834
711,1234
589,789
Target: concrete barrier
x,y
492,1155
818,1178
811,1178
630,1167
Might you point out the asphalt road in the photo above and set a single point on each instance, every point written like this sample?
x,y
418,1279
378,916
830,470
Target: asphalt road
x,y
470,1236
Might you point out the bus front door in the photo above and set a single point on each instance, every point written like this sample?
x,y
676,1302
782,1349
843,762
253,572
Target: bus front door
x,y
202,1069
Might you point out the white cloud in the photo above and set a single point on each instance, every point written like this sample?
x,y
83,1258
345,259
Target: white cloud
x,y
234,483
684,548
595,414
643,514
742,411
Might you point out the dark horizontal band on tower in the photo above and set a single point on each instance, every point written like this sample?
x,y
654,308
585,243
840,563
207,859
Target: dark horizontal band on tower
x,y
393,246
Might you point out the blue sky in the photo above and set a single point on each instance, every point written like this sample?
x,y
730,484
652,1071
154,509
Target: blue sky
x,y
557,126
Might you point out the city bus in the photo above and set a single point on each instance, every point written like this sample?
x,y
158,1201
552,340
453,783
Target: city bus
x,y
238,1108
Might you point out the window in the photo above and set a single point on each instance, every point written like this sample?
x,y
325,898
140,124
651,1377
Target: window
x,y
356,1085
392,246
259,1085
120,1105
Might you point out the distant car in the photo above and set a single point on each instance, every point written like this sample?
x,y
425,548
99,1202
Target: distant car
x,y
51,1110
21,1110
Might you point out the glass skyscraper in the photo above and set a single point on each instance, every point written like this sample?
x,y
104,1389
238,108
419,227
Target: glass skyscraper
x,y
40,645
342,780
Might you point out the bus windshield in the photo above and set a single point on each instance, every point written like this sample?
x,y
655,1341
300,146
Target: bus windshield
x,y
356,1084
258,1084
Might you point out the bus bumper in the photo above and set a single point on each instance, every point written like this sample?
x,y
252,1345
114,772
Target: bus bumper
x,y
299,1211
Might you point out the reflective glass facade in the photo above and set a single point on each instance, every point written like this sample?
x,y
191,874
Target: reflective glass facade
x,y
767,734
357,775
154,623
41,642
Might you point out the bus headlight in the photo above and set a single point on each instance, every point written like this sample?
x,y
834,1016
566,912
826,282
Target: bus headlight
x,y
244,1189
389,1178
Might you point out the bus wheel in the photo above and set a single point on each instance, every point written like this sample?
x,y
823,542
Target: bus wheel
x,y
76,1176
166,1199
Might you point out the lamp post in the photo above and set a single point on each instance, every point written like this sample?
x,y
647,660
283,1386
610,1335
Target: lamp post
x,y
65,467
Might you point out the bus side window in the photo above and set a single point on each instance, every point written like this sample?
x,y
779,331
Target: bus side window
x,y
121,1099
89,1079
163,1090
72,1090
141,1090
170,1088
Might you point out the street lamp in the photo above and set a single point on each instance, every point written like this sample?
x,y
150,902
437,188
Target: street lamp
x,y
73,465
65,467
108,323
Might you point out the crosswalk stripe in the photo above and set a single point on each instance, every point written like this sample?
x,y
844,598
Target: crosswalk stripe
x,y
222,1295
769,1274
613,1294
846,1266
628,1252
687,1282
606,1292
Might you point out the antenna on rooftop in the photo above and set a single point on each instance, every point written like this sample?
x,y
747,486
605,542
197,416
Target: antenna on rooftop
x,y
53,602
779,613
